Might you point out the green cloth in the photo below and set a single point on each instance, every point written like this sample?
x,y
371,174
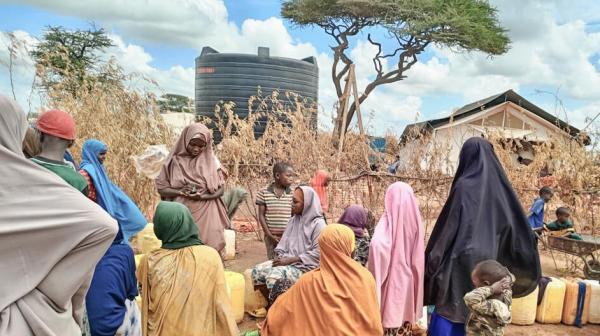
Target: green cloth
x,y
66,171
557,226
175,226
233,199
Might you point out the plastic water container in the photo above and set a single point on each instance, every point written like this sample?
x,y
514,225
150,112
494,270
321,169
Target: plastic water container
x,y
524,309
146,241
551,308
422,322
570,307
253,298
229,245
236,290
594,313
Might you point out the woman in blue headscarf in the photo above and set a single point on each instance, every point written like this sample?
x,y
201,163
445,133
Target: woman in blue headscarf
x,y
110,301
110,197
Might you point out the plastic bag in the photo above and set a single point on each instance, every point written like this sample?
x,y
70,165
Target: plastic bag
x,y
151,160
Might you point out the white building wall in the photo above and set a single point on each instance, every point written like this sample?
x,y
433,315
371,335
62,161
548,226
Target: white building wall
x,y
448,139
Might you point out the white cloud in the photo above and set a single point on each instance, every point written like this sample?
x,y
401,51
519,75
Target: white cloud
x,y
175,22
544,53
551,46
135,59
23,68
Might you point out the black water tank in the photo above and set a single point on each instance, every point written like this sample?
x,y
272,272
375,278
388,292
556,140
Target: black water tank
x,y
237,77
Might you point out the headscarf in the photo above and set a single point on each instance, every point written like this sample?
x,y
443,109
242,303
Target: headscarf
x,y
13,125
396,257
113,283
51,238
31,145
110,197
301,236
323,301
482,219
355,217
175,226
318,184
181,168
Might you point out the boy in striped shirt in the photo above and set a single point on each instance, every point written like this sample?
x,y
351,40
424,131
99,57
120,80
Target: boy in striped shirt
x,y
275,205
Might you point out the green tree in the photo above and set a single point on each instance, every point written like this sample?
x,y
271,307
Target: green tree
x,y
409,25
71,57
175,103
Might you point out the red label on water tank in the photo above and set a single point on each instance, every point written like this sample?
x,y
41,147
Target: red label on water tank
x,y
206,70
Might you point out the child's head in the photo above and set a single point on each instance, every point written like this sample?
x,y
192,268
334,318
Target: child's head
x,y
563,214
283,174
546,194
488,272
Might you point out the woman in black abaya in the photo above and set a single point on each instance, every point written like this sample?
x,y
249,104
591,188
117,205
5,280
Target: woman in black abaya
x,y
482,219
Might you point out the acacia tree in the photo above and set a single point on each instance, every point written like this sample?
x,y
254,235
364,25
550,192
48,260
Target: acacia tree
x,y
175,103
75,56
410,25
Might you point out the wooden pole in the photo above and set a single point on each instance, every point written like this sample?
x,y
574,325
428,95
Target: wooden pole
x,y
356,101
357,108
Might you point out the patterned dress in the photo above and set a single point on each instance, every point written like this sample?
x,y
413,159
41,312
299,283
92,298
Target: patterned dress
x,y
361,255
488,316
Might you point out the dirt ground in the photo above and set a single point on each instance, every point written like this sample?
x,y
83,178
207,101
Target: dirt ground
x,y
251,251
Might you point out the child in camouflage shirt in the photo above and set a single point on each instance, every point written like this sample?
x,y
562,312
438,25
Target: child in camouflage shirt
x,y
490,301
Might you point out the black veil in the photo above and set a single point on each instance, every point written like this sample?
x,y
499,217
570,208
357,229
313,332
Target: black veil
x,y
482,219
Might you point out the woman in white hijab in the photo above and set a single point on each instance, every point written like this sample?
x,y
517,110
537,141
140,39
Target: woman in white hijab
x,y
51,238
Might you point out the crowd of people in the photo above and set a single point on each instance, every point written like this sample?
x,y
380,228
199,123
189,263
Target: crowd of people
x,y
68,268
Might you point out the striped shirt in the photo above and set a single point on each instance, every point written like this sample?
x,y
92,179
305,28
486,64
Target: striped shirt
x,y
278,209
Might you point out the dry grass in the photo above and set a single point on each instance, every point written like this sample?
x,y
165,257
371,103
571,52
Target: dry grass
x,y
126,120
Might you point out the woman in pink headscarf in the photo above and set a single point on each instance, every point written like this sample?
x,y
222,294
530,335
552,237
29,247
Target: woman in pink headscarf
x,y
397,260
192,175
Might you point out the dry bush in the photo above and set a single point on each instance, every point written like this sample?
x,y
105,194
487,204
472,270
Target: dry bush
x,y
575,176
290,135
126,120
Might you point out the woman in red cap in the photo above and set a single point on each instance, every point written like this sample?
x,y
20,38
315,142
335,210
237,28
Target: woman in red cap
x,y
57,134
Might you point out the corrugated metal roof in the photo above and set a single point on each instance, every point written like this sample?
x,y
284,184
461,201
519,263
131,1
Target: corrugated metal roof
x,y
475,107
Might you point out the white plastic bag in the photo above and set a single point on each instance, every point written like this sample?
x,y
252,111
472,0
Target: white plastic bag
x,y
151,160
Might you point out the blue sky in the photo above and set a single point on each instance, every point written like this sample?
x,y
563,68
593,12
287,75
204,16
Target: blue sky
x,y
556,49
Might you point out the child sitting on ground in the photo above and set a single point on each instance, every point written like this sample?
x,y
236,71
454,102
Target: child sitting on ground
x,y
489,303
562,226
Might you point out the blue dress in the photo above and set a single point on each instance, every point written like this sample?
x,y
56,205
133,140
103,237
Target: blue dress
x,y
440,326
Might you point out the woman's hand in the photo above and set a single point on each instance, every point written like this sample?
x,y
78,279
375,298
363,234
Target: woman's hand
x,y
170,193
285,261
196,197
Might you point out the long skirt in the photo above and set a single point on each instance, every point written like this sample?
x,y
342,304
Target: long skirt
x,y
440,326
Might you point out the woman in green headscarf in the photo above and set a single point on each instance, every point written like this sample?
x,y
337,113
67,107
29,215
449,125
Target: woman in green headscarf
x,y
183,282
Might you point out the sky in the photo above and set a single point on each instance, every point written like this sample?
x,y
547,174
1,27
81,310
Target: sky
x,y
555,52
